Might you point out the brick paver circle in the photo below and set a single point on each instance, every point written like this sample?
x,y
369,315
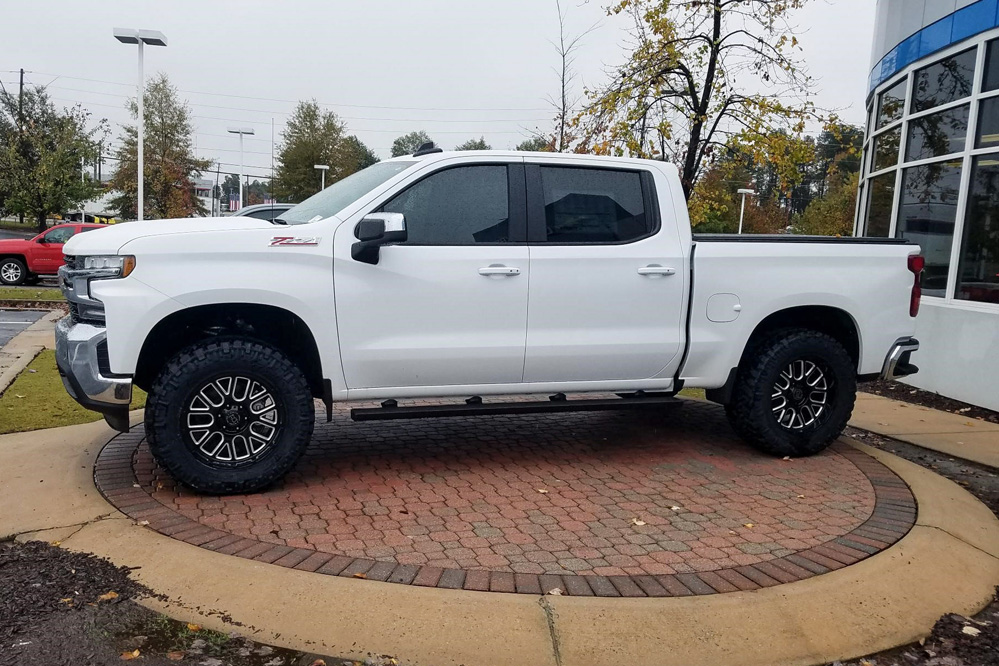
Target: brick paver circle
x,y
614,504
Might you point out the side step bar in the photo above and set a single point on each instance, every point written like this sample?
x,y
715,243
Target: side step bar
x,y
475,407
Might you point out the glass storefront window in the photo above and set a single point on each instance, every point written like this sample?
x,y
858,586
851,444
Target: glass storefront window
x,y
927,212
885,149
991,78
978,267
890,104
988,123
937,134
944,81
880,197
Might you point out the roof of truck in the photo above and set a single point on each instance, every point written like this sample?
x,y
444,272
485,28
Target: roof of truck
x,y
529,155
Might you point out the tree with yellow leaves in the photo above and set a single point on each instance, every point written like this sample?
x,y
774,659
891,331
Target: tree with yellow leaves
x,y
705,75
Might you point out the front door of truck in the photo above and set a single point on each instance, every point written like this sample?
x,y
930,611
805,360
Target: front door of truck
x,y
607,278
47,254
448,307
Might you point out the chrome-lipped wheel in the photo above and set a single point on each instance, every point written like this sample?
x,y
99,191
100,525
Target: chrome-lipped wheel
x,y
10,272
801,395
232,419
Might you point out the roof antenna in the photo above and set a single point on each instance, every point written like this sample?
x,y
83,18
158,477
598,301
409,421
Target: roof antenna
x,y
427,149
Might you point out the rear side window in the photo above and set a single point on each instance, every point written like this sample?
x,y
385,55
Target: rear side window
x,y
593,205
459,206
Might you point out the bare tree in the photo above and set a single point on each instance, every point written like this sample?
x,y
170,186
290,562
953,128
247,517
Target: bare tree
x,y
567,101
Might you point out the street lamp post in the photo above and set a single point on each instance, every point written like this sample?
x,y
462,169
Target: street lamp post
x,y
323,168
140,37
742,211
241,131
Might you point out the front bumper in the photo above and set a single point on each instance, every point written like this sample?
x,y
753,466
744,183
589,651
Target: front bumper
x,y
79,348
897,362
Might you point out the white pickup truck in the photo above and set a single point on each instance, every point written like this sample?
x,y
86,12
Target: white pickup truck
x,y
469,275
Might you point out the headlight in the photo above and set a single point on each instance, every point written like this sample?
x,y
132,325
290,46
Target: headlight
x,y
109,266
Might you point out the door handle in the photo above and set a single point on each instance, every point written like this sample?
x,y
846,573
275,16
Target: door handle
x,y
502,271
655,269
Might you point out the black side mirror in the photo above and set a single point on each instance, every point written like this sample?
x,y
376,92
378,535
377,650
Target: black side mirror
x,y
375,230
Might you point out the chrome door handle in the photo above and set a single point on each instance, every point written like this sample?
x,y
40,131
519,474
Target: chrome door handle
x,y
655,269
502,271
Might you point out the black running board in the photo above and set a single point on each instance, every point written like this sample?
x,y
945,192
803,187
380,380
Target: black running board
x,y
475,407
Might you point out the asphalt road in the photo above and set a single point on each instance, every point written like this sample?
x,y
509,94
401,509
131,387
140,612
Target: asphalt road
x,y
13,322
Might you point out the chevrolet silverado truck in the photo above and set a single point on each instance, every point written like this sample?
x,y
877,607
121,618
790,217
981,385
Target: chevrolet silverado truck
x,y
23,261
470,275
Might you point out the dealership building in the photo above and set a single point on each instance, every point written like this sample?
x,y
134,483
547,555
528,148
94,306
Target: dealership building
x,y
931,175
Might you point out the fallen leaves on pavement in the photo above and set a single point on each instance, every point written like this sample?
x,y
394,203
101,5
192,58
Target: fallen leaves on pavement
x,y
129,656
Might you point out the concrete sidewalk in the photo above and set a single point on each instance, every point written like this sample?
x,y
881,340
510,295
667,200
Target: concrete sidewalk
x,y
25,346
952,434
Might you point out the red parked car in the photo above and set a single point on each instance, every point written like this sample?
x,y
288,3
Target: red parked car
x,y
22,261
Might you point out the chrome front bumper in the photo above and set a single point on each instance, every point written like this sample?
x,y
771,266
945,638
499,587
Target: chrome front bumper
x,y
897,363
78,352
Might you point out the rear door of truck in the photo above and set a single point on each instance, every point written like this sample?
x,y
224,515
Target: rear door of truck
x,y
608,273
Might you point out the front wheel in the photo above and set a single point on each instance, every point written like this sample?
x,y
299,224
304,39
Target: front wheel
x,y
229,416
795,395
12,271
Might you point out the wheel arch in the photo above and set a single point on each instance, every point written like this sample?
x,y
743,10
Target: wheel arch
x,y
270,324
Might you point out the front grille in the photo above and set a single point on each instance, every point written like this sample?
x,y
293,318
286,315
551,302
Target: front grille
x,y
103,361
70,261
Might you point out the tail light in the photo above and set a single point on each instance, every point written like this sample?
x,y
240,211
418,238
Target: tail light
x,y
916,264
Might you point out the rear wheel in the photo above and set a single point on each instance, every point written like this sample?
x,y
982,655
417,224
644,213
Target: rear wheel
x,y
229,416
795,395
12,271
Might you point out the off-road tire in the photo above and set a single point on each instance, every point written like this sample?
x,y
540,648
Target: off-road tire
x,y
751,413
16,265
166,423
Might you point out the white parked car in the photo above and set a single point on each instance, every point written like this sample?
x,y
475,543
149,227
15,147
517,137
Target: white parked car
x,y
471,275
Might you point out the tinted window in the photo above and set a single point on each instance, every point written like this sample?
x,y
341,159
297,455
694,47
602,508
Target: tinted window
x,y
84,230
927,210
880,197
264,214
945,81
937,134
988,123
593,205
978,275
885,153
991,81
890,104
60,235
460,206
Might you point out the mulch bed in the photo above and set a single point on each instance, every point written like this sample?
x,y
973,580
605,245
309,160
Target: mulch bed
x,y
906,393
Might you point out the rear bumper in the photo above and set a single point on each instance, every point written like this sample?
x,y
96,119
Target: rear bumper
x,y
77,358
897,362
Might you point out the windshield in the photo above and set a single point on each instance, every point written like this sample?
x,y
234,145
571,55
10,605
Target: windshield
x,y
342,193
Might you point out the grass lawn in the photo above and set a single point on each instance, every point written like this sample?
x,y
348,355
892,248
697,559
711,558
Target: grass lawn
x,y
38,400
692,393
30,294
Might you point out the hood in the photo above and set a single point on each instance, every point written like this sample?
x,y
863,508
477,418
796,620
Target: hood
x,y
112,238
14,244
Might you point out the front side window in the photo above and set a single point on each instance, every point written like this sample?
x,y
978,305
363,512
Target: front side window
x,y
60,235
593,205
937,134
879,202
945,81
927,212
978,269
459,206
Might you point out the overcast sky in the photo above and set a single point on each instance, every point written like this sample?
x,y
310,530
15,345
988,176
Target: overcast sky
x,y
455,68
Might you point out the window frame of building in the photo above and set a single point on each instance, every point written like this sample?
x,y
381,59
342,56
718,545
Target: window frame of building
x,y
966,156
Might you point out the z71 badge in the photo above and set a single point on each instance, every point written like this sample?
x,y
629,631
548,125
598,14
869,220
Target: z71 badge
x,y
292,240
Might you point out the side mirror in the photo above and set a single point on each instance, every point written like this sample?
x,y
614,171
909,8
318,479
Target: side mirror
x,y
375,230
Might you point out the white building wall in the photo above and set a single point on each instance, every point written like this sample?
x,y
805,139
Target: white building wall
x,y
958,354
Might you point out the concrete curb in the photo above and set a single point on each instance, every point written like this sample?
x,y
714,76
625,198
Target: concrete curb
x,y
25,346
949,562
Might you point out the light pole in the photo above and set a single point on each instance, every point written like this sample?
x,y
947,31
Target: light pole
x,y
323,168
241,131
140,37
742,211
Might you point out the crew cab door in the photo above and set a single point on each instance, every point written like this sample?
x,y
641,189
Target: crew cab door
x,y
607,278
447,307
46,256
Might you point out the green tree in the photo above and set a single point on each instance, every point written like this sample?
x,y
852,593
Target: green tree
x,y
312,136
535,144
408,143
474,144
692,85
41,158
362,156
170,165
832,214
